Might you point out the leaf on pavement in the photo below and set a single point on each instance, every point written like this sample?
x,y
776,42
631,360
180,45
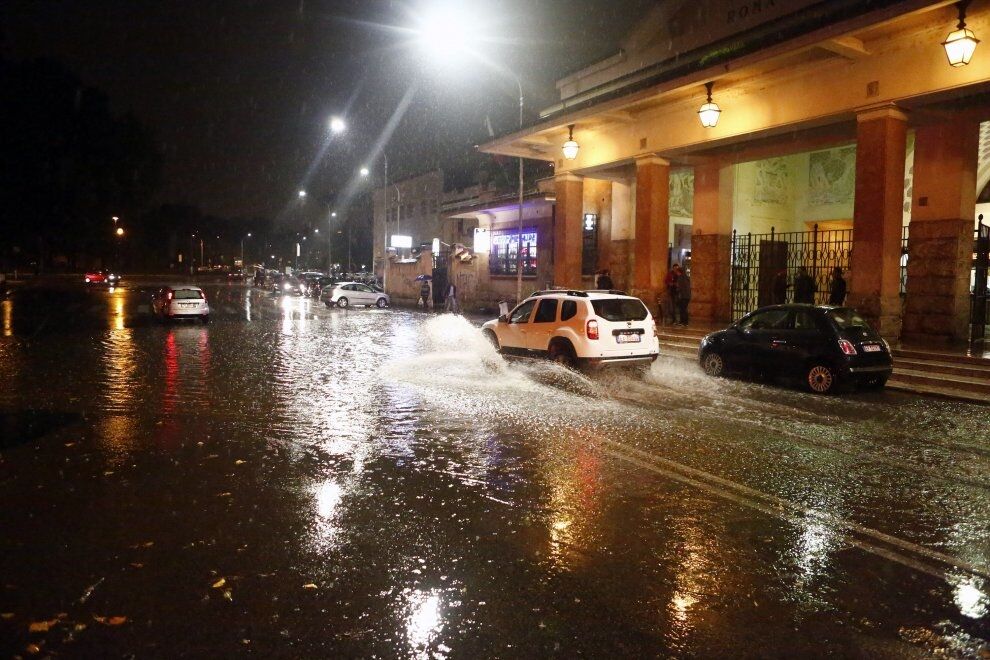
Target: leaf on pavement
x,y
228,595
41,626
33,649
219,583
239,462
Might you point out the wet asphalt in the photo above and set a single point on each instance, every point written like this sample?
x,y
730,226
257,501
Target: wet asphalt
x,y
295,481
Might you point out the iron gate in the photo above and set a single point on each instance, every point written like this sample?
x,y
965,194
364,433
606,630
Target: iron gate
x,y
978,310
764,265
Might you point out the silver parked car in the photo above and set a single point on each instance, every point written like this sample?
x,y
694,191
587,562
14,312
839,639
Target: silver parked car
x,y
345,294
180,301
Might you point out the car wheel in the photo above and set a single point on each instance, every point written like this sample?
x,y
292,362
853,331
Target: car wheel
x,y
561,354
205,319
493,339
875,383
342,302
381,303
713,364
821,378
328,304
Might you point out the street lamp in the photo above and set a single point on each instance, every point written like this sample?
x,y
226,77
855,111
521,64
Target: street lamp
x,y
365,171
709,112
302,193
961,42
242,248
337,125
120,231
445,32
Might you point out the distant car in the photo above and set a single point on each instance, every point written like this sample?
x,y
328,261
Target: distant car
x,y
180,301
101,277
235,274
345,294
287,286
308,282
823,346
578,328
317,287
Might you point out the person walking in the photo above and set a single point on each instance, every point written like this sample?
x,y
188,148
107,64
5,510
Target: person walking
x,y
451,304
424,294
837,289
804,287
683,294
604,281
670,303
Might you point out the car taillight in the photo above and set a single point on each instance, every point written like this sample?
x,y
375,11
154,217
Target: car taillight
x,y
847,347
168,296
592,329
202,294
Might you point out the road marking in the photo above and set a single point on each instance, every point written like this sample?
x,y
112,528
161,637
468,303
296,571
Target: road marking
x,y
792,512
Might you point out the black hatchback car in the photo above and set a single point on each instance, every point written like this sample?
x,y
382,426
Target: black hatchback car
x,y
823,346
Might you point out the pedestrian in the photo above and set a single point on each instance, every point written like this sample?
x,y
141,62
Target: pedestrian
x,y
604,281
424,294
837,289
804,287
779,287
683,294
451,304
670,303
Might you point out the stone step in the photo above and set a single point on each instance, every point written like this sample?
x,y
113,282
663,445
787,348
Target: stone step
x,y
946,368
937,390
979,387
940,356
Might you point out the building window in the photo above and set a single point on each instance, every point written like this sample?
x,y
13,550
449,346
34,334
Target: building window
x,y
589,244
505,242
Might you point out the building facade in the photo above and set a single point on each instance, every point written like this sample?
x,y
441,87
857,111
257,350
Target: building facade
x,y
410,207
845,140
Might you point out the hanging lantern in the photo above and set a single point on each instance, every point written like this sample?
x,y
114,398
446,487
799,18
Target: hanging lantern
x,y
570,147
709,112
961,42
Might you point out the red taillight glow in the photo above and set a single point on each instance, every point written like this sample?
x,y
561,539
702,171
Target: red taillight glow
x,y
168,296
202,294
847,347
592,329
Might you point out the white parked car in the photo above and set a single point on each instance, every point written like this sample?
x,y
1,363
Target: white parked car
x,y
578,328
180,301
346,294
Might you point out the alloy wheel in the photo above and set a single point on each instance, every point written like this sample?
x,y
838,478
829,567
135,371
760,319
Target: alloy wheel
x,y
713,364
820,379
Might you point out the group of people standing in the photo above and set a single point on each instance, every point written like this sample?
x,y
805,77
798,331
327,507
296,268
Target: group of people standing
x,y
677,285
450,302
805,287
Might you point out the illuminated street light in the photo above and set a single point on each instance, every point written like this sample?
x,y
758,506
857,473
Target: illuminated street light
x,y
961,42
333,214
570,147
337,125
365,171
709,112
120,231
302,193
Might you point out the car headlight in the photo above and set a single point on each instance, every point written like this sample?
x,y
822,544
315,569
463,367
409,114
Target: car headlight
x,y
286,286
112,276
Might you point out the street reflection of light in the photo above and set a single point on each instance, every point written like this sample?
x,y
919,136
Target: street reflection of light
x,y
247,306
424,623
681,603
7,309
971,597
327,498
117,306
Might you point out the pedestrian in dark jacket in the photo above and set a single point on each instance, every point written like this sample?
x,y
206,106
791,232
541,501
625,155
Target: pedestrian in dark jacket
x,y
804,287
424,294
670,303
683,294
604,281
837,289
779,289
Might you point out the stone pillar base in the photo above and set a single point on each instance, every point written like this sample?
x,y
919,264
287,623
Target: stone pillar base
x,y
884,313
649,298
937,301
710,261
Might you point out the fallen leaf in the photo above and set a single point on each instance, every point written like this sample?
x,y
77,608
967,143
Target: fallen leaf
x,y
69,444
309,586
219,583
41,626
148,544
229,595
223,494
117,620
7,615
79,627
100,619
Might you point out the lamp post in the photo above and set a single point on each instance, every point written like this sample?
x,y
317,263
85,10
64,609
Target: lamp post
x,y
242,248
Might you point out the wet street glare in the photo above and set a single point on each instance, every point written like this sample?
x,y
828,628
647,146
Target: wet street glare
x,y
296,481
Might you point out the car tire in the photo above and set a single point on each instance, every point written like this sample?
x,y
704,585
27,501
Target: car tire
x,y
205,319
562,354
342,302
493,339
821,378
380,303
713,364
874,384
328,304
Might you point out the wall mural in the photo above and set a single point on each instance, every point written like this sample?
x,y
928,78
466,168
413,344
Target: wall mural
x,y
681,193
832,176
771,183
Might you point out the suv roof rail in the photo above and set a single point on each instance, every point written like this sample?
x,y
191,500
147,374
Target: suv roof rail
x,y
613,292
559,292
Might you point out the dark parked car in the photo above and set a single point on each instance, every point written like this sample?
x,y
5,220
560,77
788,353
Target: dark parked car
x,y
823,346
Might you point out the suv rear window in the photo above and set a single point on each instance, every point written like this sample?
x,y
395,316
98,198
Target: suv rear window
x,y
620,309
187,294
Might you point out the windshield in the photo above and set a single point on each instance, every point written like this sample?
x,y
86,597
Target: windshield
x,y
620,309
847,318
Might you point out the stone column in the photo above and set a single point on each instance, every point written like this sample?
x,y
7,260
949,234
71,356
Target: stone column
x,y
874,285
567,231
940,242
652,227
711,244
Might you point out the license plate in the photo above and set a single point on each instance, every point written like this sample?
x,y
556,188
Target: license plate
x,y
627,338
187,304
871,348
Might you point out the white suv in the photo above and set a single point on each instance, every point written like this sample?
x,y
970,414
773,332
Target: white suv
x,y
578,327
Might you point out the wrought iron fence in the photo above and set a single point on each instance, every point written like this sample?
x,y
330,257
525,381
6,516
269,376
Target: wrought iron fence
x,y
765,267
979,310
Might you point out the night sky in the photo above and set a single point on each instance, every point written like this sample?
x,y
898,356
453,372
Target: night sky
x,y
238,92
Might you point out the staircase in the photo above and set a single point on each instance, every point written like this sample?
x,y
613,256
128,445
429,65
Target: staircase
x,y
938,373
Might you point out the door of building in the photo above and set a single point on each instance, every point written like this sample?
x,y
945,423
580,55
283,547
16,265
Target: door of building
x,y
772,282
978,303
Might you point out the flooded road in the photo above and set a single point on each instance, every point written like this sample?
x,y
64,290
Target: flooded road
x,y
292,480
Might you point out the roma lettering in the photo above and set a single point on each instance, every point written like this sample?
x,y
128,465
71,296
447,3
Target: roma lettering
x,y
749,9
